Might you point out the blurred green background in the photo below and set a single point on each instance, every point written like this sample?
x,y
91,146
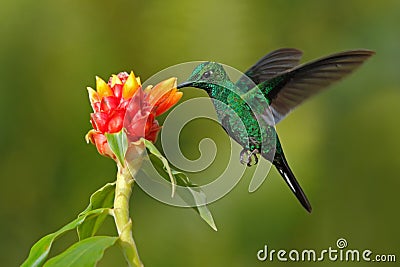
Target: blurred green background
x,y
342,145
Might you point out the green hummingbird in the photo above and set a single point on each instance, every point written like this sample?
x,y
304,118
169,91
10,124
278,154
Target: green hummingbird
x,y
249,109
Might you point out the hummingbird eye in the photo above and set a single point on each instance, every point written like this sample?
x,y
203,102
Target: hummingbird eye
x,y
207,74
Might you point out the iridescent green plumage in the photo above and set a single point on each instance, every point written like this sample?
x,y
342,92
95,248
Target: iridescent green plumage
x,y
269,90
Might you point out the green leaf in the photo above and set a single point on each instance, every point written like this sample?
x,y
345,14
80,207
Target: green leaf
x,y
203,210
153,150
85,253
41,249
118,143
198,196
193,195
102,198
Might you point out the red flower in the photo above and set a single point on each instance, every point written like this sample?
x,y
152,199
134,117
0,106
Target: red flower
x,y
122,103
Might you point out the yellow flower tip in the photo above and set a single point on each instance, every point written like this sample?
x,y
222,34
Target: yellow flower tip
x,y
148,89
115,80
88,136
138,81
131,86
171,82
178,96
93,95
175,82
102,88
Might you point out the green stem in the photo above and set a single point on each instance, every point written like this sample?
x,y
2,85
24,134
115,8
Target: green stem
x,y
123,222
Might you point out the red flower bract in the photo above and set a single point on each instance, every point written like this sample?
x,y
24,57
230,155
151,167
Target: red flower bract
x,y
122,103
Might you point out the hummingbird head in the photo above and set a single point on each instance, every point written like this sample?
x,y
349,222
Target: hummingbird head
x,y
205,75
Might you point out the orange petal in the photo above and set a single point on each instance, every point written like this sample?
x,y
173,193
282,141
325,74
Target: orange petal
x,y
160,90
131,86
166,103
101,143
102,88
175,98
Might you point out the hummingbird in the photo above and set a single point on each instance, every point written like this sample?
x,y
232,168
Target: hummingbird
x,y
266,93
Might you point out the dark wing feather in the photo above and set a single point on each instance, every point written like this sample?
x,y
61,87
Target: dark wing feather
x,y
296,85
269,66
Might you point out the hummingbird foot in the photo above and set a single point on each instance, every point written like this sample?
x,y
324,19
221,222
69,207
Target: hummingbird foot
x,y
247,155
252,153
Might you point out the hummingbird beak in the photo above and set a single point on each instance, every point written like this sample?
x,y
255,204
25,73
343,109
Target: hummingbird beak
x,y
184,84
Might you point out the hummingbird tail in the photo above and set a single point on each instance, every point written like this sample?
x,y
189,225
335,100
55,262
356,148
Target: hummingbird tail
x,y
283,168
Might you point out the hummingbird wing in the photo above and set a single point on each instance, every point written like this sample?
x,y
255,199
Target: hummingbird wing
x,y
289,89
269,66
